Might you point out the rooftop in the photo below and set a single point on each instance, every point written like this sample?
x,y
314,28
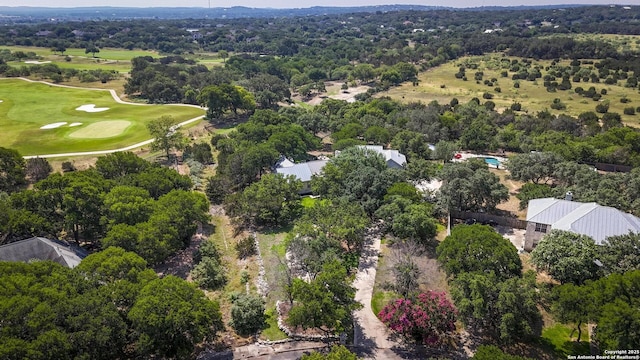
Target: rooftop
x,y
40,248
591,219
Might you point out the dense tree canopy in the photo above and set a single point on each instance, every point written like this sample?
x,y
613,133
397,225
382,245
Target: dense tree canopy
x,y
326,303
478,249
272,201
110,306
506,310
12,170
359,175
567,257
469,186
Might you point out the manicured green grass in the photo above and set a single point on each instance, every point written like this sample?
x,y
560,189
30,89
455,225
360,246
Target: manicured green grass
x,y
106,53
381,298
272,332
440,84
28,106
558,336
122,67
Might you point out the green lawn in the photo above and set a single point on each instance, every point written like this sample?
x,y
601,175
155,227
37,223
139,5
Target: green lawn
x,y
271,331
557,336
380,299
107,59
122,67
26,107
106,53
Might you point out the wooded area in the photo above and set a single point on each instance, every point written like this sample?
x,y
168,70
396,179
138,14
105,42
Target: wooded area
x,y
130,213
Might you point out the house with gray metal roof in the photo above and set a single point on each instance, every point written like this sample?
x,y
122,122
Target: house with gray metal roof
x,y
302,172
39,248
394,158
596,221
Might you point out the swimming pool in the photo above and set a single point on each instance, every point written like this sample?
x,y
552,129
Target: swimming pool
x,y
492,161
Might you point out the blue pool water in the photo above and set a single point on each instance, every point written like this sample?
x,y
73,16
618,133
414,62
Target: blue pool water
x,y
492,161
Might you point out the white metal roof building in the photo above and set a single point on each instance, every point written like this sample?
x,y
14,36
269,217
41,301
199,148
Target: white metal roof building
x,y
591,219
303,171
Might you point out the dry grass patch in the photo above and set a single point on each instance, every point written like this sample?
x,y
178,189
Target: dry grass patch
x,y
440,84
223,237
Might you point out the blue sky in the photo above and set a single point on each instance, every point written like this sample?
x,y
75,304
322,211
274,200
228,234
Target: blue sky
x,y
297,4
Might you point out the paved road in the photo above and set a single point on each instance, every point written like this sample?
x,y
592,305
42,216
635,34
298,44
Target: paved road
x,y
118,100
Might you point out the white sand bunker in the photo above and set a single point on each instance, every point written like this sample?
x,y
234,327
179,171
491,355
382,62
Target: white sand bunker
x,y
74,124
36,62
91,108
53,125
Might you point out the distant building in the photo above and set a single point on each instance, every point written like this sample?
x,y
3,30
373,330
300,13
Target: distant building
x,y
39,248
591,219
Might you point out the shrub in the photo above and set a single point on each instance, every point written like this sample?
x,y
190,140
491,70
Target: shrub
x,y
516,106
247,314
487,96
558,104
602,108
490,105
209,274
207,249
428,319
68,166
37,169
246,247
629,111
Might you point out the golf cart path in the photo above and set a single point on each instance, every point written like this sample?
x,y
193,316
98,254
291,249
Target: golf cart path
x,y
369,330
118,100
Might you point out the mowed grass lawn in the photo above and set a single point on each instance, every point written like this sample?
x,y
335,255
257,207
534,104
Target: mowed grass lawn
x,y
441,85
26,107
107,59
106,53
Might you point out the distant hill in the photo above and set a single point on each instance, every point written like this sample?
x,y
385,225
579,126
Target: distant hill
x,y
35,14
112,13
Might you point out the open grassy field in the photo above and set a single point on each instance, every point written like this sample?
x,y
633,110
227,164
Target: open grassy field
x,y
441,85
27,107
106,53
107,59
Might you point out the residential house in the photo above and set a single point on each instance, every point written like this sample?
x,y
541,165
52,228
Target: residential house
x,y
304,171
39,248
591,219
394,158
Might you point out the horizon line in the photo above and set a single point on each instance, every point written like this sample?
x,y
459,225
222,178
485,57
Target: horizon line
x,y
560,5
